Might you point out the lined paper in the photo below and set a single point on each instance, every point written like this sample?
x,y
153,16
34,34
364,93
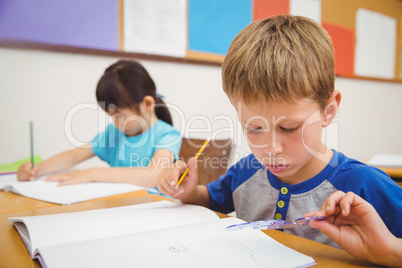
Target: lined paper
x,y
205,244
64,228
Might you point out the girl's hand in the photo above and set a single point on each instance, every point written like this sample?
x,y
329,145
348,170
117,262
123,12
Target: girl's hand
x,y
169,178
73,177
27,173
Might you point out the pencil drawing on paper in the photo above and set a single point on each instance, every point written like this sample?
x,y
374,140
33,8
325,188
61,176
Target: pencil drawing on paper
x,y
177,248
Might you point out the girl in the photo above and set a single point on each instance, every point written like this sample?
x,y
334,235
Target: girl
x,y
139,145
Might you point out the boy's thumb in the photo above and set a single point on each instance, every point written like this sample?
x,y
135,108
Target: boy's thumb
x,y
192,165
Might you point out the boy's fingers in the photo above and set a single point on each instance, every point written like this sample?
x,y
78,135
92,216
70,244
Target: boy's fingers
x,y
192,165
346,203
192,169
315,214
178,193
326,228
331,204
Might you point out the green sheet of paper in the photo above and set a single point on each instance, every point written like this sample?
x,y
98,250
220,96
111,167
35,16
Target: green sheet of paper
x,y
13,167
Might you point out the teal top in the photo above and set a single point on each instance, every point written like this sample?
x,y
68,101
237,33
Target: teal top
x,y
119,150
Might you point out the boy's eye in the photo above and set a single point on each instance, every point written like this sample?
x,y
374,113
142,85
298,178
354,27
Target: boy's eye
x,y
253,130
289,130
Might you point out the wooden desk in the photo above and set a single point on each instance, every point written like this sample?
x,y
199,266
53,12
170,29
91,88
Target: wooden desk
x,y
14,253
394,173
10,202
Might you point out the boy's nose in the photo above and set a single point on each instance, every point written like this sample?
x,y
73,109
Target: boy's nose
x,y
273,145
275,149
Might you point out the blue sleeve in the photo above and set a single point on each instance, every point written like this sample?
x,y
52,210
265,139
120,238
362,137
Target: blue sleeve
x,y
377,188
220,193
100,144
171,141
221,190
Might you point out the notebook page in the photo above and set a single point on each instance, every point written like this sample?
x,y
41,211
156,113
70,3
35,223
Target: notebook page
x,y
7,179
69,194
205,244
56,229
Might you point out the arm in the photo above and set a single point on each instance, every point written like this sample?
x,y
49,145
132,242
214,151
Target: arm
x,y
189,191
59,162
355,226
142,176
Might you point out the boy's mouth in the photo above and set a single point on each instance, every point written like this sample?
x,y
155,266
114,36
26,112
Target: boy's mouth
x,y
276,168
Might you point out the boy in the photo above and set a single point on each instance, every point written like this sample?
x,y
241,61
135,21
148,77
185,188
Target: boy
x,y
279,76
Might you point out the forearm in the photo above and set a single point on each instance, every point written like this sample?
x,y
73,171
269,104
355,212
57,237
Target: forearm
x,y
63,161
199,196
142,176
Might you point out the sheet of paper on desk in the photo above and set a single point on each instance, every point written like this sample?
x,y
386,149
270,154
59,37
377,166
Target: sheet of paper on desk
x,y
161,234
64,195
55,229
199,245
386,160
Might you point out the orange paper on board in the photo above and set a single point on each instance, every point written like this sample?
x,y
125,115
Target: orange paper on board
x,y
269,8
343,40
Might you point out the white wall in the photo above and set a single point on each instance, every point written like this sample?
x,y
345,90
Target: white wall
x,y
47,87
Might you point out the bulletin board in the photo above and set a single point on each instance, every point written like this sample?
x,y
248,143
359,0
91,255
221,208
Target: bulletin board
x,y
367,37
74,23
367,34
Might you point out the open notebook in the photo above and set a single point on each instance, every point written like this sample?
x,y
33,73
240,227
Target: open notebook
x,y
159,234
69,194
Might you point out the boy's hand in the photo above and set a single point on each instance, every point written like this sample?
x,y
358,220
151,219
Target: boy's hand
x,y
25,172
170,177
73,177
355,226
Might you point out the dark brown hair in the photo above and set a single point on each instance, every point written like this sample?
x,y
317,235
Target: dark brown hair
x,y
125,84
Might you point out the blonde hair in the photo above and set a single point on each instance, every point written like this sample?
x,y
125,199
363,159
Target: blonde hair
x,y
283,58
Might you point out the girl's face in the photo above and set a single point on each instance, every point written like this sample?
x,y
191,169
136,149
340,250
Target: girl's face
x,y
129,121
134,122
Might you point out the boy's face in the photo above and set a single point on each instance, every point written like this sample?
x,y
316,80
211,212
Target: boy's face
x,y
285,137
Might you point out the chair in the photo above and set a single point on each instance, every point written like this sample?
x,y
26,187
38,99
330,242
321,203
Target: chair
x,y
213,161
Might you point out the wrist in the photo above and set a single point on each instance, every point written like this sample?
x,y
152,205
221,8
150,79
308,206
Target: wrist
x,y
91,174
395,256
39,170
198,196
187,196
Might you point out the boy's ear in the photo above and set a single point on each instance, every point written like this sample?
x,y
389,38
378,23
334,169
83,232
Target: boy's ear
x,y
332,108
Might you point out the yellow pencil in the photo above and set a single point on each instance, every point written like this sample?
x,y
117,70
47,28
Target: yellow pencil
x,y
184,174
